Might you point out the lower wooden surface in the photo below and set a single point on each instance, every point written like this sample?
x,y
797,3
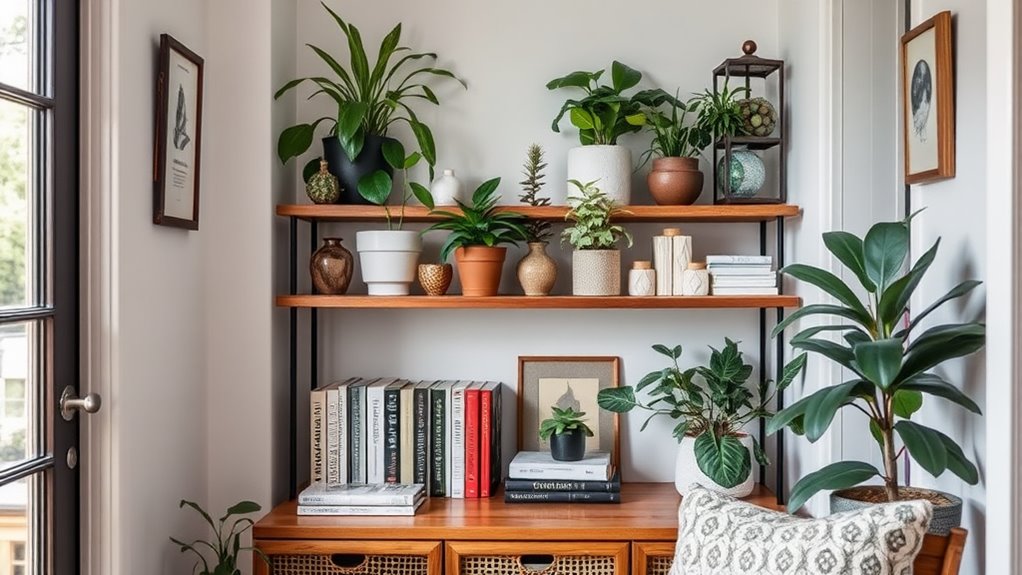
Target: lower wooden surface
x,y
319,557
512,557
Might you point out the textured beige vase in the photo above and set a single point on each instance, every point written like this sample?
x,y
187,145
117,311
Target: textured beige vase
x,y
596,272
435,278
537,271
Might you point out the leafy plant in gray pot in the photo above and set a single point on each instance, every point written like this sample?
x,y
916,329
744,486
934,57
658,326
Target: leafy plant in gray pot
x,y
567,433
892,370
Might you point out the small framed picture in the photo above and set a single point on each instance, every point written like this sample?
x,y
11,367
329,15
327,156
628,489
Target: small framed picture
x,y
567,381
178,136
928,95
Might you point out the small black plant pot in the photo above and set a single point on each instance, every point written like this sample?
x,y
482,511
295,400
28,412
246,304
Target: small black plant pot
x,y
569,446
349,173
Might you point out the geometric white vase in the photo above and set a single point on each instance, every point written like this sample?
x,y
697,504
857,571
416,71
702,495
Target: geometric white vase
x,y
389,260
609,166
687,472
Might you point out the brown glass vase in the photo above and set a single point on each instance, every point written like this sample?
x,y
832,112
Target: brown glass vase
x,y
675,181
331,267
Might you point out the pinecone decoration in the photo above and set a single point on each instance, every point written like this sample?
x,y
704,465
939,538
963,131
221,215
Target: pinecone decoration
x,y
759,118
323,187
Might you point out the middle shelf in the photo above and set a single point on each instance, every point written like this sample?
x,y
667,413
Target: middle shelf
x,y
544,302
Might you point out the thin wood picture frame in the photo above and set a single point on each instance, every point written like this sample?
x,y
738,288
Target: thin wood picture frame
x,y
928,101
557,376
178,136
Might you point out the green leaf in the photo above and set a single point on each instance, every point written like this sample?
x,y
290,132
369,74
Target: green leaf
x,y
939,344
924,445
617,399
294,142
876,432
638,119
829,349
759,453
241,508
956,292
841,475
895,298
822,309
624,77
394,153
723,459
906,402
957,463
935,385
484,191
387,48
574,80
582,119
664,350
885,248
791,370
376,187
199,509
311,168
424,137
831,284
847,248
823,405
651,378
879,361
422,194
349,129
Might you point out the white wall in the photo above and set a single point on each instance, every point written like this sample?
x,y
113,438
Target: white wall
x,y
507,52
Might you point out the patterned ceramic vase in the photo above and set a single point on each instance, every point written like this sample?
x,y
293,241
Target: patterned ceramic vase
x,y
746,172
596,272
323,187
537,271
642,279
331,267
435,278
695,280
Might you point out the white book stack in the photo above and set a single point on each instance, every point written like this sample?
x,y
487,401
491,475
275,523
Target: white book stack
x,y
737,275
361,499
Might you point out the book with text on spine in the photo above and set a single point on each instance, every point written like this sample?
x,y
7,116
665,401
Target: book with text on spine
x,y
368,510
612,485
489,438
364,494
317,422
392,431
541,465
472,440
357,418
421,410
457,457
561,497
407,434
376,424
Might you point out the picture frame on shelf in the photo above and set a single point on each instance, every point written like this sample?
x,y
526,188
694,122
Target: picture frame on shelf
x,y
178,136
544,381
928,107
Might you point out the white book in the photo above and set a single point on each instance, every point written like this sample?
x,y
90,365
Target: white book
x,y
448,435
594,466
745,291
388,510
741,271
457,456
739,259
317,420
360,494
375,422
333,452
759,282
342,430
407,433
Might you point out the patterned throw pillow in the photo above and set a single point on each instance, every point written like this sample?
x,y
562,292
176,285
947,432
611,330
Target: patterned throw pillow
x,y
719,535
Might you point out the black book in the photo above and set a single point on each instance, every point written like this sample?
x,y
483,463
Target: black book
x,y
437,443
392,432
555,485
560,497
357,431
420,437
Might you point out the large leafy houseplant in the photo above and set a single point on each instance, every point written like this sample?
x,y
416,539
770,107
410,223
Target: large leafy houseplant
x,y
226,541
480,223
713,412
370,98
604,113
890,364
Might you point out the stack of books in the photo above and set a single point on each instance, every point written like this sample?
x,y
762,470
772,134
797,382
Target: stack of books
x,y
444,435
742,275
536,477
360,499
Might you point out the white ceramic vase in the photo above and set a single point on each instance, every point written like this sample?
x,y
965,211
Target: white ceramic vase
x,y
687,472
389,259
596,272
446,189
609,166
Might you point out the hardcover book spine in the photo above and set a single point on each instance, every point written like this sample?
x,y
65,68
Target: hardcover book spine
x,y
374,440
681,254
392,436
485,441
356,434
438,480
662,263
613,486
471,443
496,461
333,452
345,499
407,449
316,421
458,443
739,259
448,439
402,510
421,408
561,497
563,473
342,434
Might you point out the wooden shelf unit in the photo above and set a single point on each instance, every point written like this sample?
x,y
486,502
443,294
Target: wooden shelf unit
x,y
525,302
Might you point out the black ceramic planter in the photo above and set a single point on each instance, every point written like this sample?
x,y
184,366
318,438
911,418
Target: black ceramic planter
x,y
348,172
570,446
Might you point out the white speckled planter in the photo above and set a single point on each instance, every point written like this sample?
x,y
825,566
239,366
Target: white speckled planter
x,y
596,272
609,166
687,472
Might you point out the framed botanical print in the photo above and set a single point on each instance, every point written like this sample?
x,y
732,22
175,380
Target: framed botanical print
x,y
928,95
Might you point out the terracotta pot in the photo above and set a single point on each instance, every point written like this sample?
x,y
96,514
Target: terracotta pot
x,y
537,271
435,278
331,267
675,181
947,513
479,268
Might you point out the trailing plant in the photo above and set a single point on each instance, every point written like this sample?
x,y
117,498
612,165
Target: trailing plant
x,y
535,230
604,113
563,421
591,213
226,542
673,134
719,113
891,367
480,224
370,98
713,412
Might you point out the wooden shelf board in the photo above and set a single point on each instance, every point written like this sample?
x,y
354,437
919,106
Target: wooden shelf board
x,y
547,302
634,214
647,512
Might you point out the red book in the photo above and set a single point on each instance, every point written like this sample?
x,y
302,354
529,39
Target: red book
x,y
472,441
485,439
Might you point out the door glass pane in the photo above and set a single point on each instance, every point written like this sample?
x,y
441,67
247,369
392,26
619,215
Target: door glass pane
x,y
17,200
19,516
18,385
17,44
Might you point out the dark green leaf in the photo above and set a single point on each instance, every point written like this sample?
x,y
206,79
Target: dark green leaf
x,y
935,385
848,249
387,48
823,405
311,168
924,445
484,192
199,509
574,80
376,187
758,453
241,508
885,248
894,299
879,361
664,350
957,463
723,459
649,379
829,349
791,371
424,137
624,77
617,399
956,292
831,284
876,432
939,344
394,153
294,142
906,402
818,309
422,194
839,475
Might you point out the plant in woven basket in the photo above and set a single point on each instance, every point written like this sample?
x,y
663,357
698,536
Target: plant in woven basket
x,y
225,545
536,230
591,214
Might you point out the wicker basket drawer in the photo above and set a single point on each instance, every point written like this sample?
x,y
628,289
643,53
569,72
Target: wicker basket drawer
x,y
652,558
540,558
350,557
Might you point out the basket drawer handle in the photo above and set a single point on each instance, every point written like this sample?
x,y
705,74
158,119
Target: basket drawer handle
x,y
536,563
348,561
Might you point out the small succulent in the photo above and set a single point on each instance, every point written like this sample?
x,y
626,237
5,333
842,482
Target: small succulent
x,y
536,230
563,420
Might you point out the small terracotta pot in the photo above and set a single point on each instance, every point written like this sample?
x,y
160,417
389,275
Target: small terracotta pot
x,y
675,181
479,268
435,278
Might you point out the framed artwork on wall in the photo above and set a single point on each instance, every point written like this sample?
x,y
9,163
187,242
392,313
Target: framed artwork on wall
x,y
928,101
567,381
177,149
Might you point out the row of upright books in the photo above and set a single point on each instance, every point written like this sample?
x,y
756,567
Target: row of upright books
x,y
444,435
742,275
536,477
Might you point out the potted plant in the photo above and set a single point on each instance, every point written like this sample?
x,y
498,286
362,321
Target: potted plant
x,y
537,271
370,98
476,236
721,115
891,367
595,263
602,116
713,449
226,542
677,142
567,433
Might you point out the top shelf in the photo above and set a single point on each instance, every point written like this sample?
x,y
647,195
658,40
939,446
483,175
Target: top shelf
x,y
699,213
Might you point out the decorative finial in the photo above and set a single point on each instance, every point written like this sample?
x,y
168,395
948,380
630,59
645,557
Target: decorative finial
x,y
749,47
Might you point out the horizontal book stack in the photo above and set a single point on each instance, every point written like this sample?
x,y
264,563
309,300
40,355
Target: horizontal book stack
x,y
443,435
742,275
536,477
361,499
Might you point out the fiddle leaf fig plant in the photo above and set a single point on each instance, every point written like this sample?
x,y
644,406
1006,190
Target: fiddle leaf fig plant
x,y
591,213
563,421
891,366
711,403
480,224
603,113
219,554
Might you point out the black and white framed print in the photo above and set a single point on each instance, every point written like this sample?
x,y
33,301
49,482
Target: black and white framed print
x,y
928,101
